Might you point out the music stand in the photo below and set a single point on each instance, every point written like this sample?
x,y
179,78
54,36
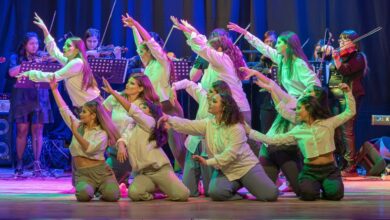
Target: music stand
x,y
113,70
324,77
25,83
182,70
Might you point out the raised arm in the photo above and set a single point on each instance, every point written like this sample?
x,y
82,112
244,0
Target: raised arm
x,y
130,22
256,43
122,100
49,41
192,88
349,111
65,112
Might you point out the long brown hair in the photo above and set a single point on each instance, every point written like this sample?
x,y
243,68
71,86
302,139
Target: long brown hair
x,y
232,51
104,120
159,134
314,107
293,51
22,53
148,92
88,78
231,113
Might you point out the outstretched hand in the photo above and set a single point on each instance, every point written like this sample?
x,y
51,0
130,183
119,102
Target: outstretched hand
x,y
189,26
200,159
234,27
122,152
53,83
39,22
107,87
255,73
179,25
163,121
128,21
175,21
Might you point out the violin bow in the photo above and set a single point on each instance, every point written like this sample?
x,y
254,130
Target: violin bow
x,y
108,21
51,26
239,37
324,53
169,35
304,44
373,31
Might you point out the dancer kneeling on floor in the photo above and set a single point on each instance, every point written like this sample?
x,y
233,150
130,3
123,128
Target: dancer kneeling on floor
x,y
235,164
315,139
142,144
92,133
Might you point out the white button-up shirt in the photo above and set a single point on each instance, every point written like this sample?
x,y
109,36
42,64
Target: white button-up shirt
x,y
71,73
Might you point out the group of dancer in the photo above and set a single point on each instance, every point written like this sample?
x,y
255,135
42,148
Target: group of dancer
x,y
135,124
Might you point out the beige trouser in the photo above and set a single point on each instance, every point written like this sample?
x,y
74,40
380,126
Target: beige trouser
x,y
100,179
147,182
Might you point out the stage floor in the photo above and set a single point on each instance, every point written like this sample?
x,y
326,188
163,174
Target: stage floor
x,y
365,198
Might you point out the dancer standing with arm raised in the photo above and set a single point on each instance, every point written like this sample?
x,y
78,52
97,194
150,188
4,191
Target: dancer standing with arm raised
x,y
77,74
159,68
225,60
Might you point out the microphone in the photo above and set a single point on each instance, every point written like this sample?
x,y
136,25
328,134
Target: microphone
x,y
65,36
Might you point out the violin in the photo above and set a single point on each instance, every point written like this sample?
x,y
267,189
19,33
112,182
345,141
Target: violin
x,y
106,51
41,56
347,50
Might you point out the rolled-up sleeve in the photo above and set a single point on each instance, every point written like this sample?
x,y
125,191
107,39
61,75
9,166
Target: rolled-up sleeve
x,y
72,68
192,127
237,138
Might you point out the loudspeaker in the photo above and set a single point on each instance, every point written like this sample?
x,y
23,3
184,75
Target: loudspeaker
x,y
5,140
371,160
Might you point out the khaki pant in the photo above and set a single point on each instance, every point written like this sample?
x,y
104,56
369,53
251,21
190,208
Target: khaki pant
x,y
100,179
147,182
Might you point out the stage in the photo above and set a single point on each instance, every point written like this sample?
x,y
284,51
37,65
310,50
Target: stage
x,y
43,198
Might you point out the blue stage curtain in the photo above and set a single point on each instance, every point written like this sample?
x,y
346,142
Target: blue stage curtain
x,y
308,18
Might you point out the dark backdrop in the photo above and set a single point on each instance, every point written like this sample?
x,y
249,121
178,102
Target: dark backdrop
x,y
308,18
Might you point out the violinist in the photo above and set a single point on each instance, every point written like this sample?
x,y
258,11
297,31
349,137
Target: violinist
x,y
266,66
92,41
30,107
159,68
351,64
319,50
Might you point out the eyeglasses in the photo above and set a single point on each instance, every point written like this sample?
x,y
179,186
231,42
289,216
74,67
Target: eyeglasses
x,y
344,40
